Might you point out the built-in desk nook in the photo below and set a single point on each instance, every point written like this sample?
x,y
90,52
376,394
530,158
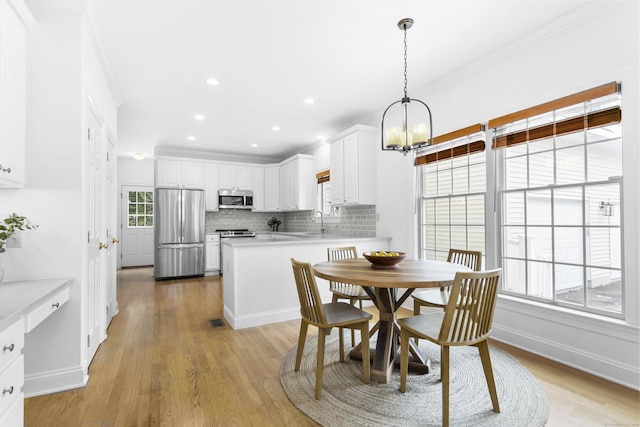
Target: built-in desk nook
x,y
23,306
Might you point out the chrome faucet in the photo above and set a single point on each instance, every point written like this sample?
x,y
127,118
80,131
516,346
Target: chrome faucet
x,y
322,229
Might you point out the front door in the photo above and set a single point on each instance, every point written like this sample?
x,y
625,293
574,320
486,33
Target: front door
x,y
137,226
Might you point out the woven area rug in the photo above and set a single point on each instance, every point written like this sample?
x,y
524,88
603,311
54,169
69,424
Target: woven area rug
x,y
348,401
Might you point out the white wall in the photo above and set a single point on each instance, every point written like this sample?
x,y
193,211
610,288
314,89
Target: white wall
x,y
596,46
52,196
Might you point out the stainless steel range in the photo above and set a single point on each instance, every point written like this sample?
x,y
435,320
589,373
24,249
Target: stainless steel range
x,y
231,233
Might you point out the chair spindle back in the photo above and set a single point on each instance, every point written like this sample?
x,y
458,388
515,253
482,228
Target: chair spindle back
x,y
310,301
471,259
468,316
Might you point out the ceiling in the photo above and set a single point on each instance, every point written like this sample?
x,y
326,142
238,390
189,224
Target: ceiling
x,y
269,56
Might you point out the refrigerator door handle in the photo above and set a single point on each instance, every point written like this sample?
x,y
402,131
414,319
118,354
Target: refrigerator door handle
x,y
180,246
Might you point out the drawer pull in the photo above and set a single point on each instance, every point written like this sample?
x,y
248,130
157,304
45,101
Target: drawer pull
x,y
7,390
56,305
8,347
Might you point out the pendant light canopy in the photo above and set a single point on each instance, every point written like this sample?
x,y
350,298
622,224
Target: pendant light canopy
x,y
416,130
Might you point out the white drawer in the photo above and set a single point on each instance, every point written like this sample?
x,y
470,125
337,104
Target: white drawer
x,y
13,416
45,309
11,383
11,343
212,238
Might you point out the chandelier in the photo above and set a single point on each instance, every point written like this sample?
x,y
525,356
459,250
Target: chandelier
x,y
414,132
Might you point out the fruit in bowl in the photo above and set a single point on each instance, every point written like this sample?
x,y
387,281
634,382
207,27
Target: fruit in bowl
x,y
384,259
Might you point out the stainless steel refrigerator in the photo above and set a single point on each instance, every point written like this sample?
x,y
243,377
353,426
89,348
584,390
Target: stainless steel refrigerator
x,y
179,233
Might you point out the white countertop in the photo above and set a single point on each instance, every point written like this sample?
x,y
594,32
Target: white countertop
x,y
288,238
20,297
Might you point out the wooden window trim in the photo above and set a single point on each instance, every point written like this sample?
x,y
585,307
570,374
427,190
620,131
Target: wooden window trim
x,y
460,150
576,98
574,124
323,176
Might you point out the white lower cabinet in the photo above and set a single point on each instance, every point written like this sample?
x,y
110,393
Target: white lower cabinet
x,y
212,252
12,375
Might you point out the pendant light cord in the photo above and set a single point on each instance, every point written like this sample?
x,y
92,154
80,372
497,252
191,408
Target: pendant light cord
x,y
405,60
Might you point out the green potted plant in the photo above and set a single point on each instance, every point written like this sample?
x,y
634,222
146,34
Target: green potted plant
x,y
10,226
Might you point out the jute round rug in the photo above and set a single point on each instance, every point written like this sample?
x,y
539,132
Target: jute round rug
x,y
348,401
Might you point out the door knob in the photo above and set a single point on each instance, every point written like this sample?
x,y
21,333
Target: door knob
x,y
103,246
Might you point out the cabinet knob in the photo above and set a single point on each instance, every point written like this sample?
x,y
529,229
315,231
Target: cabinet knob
x,y
8,347
56,305
3,169
103,246
7,390
114,240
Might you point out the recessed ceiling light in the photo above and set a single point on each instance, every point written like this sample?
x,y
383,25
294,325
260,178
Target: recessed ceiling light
x,y
198,117
138,156
191,138
275,128
254,145
212,82
309,101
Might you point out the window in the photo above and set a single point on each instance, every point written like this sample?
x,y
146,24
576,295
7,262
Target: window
x,y
452,194
140,209
560,182
323,196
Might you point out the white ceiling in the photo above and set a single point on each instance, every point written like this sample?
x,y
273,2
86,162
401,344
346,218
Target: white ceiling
x,y
268,56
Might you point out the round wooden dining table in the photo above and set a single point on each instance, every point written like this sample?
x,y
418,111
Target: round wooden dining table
x,y
383,286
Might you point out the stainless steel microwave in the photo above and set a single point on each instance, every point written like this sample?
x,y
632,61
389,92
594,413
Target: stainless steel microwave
x,y
235,199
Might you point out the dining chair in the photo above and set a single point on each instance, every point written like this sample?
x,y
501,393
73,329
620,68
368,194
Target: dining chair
x,y
325,317
466,321
438,297
346,291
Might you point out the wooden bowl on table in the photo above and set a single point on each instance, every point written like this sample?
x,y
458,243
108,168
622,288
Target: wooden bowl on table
x,y
384,259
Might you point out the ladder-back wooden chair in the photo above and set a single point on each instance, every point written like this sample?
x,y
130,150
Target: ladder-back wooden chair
x,y
325,317
346,291
466,320
438,297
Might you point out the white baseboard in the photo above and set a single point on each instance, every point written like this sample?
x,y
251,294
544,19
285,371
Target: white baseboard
x,y
258,319
54,381
606,368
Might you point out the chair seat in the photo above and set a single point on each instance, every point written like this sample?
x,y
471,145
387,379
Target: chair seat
x,y
433,297
425,326
340,313
350,292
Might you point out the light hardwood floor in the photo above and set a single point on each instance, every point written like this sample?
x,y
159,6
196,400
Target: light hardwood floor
x,y
165,365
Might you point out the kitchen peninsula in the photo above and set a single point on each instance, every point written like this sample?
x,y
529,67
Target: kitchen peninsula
x,y
258,283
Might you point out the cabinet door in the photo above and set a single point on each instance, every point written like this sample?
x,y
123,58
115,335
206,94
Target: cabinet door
x,y
285,195
227,176
12,99
351,167
244,177
271,188
336,162
211,186
257,177
212,256
168,173
193,175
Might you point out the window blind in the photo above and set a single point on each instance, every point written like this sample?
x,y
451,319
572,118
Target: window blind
x,y
456,147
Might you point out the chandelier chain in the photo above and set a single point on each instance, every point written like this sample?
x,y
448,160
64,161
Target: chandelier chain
x,y
405,61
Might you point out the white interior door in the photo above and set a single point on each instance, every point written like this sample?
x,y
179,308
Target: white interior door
x,y
112,231
95,299
136,236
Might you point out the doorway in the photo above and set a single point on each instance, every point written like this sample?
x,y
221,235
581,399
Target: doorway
x,y
137,221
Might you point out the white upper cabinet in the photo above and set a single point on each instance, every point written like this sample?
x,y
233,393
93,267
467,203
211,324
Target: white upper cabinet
x,y
353,167
236,177
211,186
15,19
257,175
297,183
180,174
272,188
